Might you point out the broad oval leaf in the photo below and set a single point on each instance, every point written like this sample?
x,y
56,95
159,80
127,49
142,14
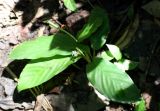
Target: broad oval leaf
x,y
112,82
98,39
94,22
45,46
70,4
39,71
115,51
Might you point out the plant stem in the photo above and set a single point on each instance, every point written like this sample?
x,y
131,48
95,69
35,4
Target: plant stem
x,y
36,91
90,3
16,79
56,26
31,90
41,88
85,56
68,34
94,53
12,74
76,66
88,58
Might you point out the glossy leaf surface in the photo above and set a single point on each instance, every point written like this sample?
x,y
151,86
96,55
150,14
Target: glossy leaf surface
x,y
112,82
40,70
45,46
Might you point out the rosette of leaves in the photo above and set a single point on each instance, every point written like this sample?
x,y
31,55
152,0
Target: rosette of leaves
x,y
50,55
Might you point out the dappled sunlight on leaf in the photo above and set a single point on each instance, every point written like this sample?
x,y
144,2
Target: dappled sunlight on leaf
x,y
112,82
39,71
45,46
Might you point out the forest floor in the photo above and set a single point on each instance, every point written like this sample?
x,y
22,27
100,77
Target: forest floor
x,y
20,21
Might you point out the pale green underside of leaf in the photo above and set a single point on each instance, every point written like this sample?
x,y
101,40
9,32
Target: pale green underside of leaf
x,y
94,22
112,82
41,70
70,4
45,46
115,51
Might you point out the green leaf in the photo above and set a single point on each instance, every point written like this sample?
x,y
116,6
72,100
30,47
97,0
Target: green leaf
x,y
39,71
115,51
94,22
70,4
106,55
125,64
45,46
153,8
140,106
98,39
112,82
84,48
